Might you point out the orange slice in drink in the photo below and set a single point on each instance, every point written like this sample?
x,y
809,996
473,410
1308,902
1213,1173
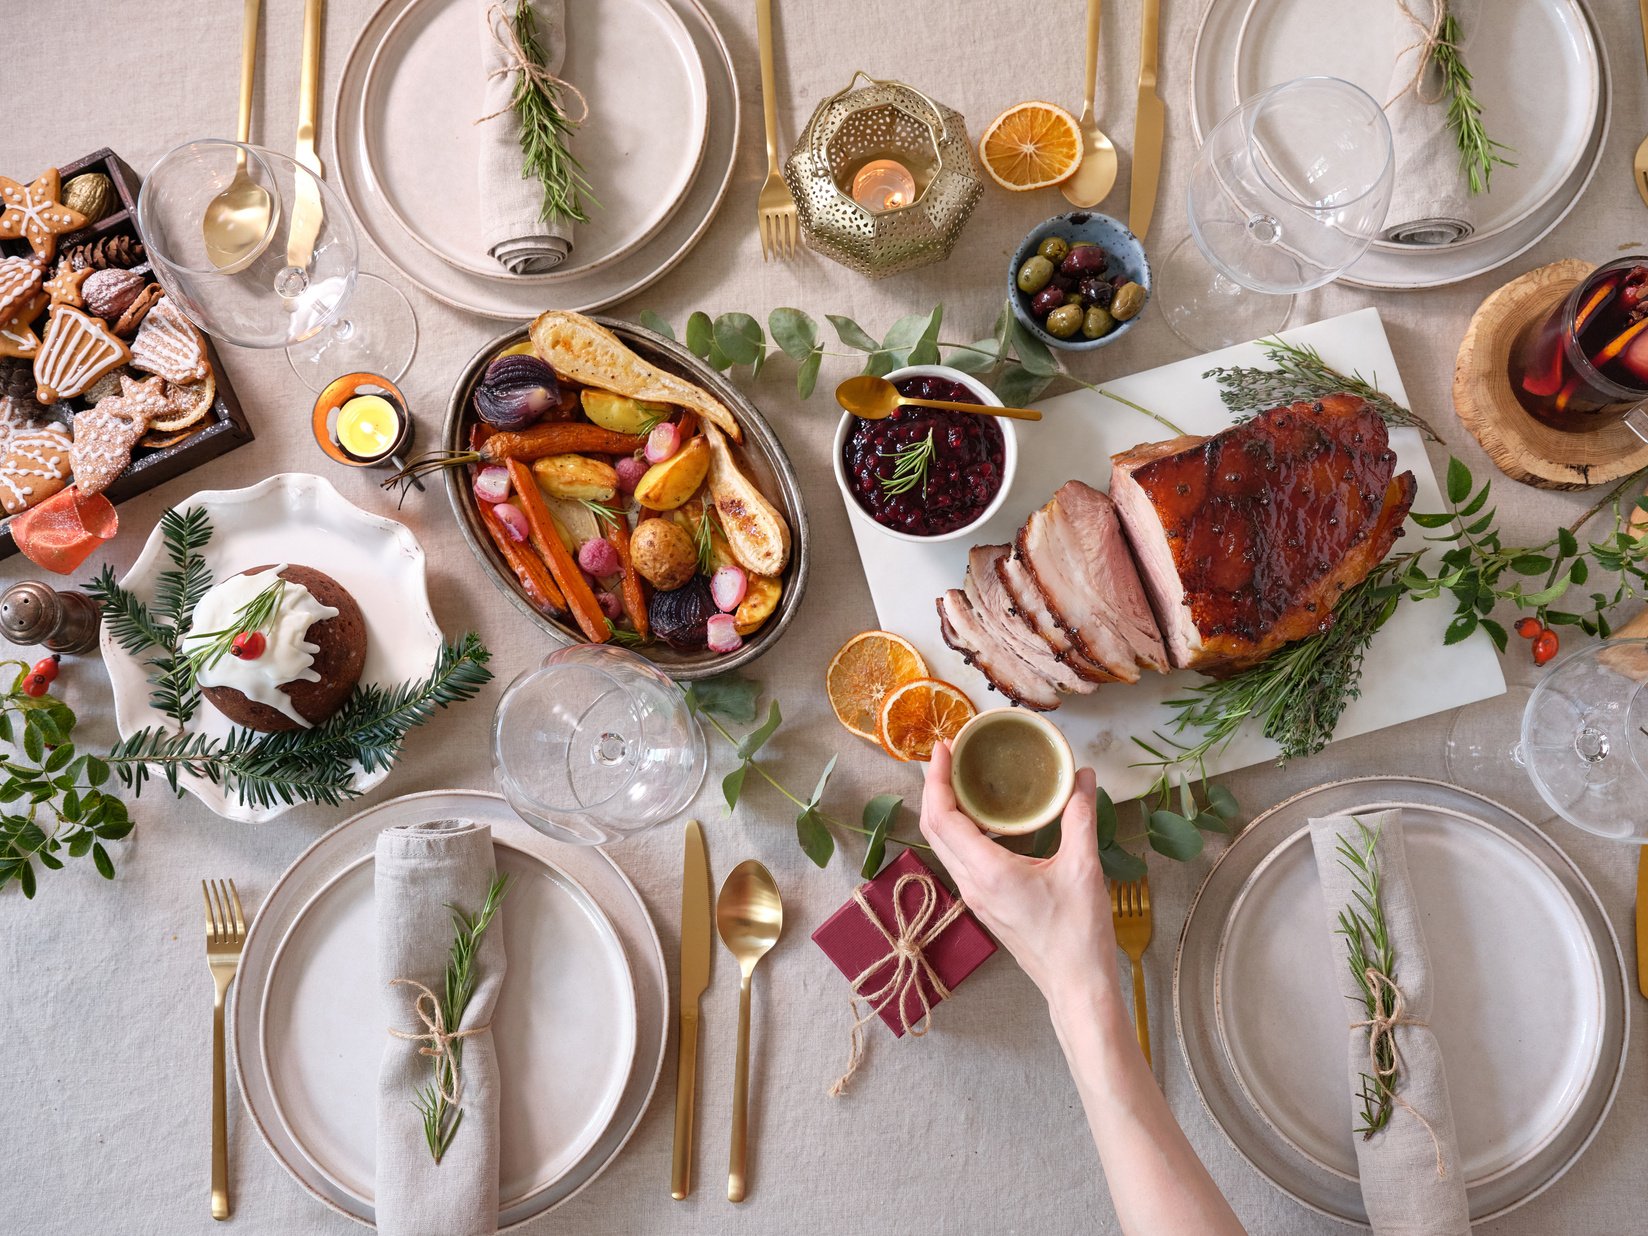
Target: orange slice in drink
x,y
867,669
919,715
1030,146
1618,343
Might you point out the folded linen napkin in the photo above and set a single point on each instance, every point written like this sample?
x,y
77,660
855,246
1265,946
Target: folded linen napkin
x,y
512,228
1405,1190
421,870
1430,204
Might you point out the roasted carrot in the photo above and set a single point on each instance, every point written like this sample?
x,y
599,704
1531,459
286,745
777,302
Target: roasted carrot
x,y
529,568
586,610
558,438
634,589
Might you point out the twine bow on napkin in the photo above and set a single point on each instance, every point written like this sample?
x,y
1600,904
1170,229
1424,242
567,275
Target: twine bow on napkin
x,y
1389,1012
515,60
906,945
448,1081
1423,49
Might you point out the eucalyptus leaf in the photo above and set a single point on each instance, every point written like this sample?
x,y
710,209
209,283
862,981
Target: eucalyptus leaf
x,y
732,785
879,814
1046,839
814,837
823,780
656,324
926,350
1171,834
1033,354
1221,802
1105,819
851,334
979,358
728,696
1120,864
794,332
757,738
806,377
700,334
1018,387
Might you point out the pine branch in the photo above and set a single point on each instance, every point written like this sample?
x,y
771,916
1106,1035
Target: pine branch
x,y
126,618
178,591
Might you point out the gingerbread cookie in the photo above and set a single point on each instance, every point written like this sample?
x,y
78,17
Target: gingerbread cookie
x,y
33,213
34,457
65,287
168,344
20,279
77,350
17,337
105,435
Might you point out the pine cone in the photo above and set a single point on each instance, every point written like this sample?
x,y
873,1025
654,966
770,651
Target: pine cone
x,y
16,379
122,252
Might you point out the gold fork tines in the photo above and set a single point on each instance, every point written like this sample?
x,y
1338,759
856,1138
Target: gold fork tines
x,y
225,934
775,208
1130,911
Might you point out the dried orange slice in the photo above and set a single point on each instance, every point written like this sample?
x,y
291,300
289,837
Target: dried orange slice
x,y
919,715
864,672
1030,146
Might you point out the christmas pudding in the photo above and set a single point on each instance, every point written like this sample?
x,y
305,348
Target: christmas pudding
x,y
277,647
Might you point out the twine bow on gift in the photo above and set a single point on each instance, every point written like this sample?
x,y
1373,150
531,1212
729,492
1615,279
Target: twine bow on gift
x,y
1389,1012
517,61
448,1082
906,946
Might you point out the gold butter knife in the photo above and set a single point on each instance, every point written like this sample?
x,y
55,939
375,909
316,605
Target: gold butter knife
x,y
307,212
1149,127
695,976
1642,920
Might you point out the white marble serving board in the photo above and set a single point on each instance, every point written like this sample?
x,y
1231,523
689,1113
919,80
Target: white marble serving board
x,y
1407,674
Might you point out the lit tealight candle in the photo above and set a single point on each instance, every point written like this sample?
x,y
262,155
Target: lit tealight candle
x,y
368,426
882,185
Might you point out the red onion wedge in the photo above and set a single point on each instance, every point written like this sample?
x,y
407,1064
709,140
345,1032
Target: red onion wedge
x,y
514,523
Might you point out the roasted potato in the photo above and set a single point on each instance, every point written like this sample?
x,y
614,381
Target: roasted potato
x,y
667,485
758,605
663,553
620,413
576,477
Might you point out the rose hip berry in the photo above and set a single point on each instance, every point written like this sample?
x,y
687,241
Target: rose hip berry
x,y
1546,646
41,676
1527,628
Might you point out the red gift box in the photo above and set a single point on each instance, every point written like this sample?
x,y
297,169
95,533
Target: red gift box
x,y
855,944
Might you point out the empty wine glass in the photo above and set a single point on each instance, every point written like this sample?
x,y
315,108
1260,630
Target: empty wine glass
x,y
1287,191
305,273
595,745
1585,739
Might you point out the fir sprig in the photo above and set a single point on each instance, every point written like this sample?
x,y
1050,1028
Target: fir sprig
x,y
546,130
1479,154
440,1118
1368,948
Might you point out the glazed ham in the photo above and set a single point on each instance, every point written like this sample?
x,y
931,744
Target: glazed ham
x,y
983,648
989,599
1246,540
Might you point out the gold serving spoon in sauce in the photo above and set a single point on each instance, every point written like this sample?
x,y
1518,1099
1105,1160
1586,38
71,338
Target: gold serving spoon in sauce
x,y
875,399
748,917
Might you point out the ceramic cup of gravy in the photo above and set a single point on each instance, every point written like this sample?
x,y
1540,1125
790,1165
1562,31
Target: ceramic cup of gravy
x,y
1012,771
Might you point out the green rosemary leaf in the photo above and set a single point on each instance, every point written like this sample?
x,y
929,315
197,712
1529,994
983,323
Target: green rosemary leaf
x,y
546,130
911,463
255,616
1479,154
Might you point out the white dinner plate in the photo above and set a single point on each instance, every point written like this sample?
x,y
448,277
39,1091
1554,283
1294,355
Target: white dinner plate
x,y
640,147
578,889
564,1028
376,559
1530,1002
594,281
1245,45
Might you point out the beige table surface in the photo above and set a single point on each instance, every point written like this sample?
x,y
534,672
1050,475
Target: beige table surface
x,y
104,997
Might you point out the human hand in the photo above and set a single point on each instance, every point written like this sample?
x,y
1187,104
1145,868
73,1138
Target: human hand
x,y
1052,914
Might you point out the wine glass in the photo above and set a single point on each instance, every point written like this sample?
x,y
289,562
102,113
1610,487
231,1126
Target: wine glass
x,y
595,745
1287,191
1585,739
292,294
1484,752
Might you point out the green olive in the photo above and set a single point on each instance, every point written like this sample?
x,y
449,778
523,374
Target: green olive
x,y
1129,299
1064,322
1034,275
1098,322
1053,249
1075,298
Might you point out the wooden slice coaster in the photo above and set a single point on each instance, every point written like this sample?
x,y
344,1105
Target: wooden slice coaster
x,y
1521,447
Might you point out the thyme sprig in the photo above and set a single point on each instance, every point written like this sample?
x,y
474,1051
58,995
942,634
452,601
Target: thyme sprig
x,y
256,615
1479,154
1299,372
911,463
1368,948
546,130
441,1118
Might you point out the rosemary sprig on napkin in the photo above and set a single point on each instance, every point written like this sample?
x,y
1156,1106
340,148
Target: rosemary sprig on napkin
x,y
1479,154
1372,959
545,128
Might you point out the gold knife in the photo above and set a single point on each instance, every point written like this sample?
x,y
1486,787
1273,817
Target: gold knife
x,y
1642,920
1148,127
307,212
695,976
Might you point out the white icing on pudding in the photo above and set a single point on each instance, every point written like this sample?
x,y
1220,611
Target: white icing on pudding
x,y
287,656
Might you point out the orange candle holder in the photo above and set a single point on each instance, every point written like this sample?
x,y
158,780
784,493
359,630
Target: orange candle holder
x,y
361,420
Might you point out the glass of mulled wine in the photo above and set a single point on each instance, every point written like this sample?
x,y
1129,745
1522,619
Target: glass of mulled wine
x,y
1585,365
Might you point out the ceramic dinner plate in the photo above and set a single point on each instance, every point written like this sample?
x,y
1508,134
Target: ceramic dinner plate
x,y
648,220
1558,132
1530,1006
564,1027
580,1027
292,517
634,62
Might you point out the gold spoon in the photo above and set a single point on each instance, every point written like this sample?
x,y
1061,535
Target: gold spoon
x,y
236,223
1095,175
748,917
875,399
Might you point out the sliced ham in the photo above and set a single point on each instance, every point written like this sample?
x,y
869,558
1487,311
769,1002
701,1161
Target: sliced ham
x,y
1027,600
987,651
989,599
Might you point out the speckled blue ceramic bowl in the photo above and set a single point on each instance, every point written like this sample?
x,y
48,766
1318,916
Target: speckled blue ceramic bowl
x,y
1126,257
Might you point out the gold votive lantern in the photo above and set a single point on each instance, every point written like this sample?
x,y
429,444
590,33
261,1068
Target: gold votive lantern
x,y
883,178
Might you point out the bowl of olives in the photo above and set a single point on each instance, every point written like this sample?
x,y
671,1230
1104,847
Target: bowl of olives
x,y
1079,281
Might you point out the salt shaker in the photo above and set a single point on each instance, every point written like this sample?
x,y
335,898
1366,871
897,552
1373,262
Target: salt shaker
x,y
35,613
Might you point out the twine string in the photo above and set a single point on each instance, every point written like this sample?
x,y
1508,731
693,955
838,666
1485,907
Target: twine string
x,y
1389,1012
438,1039
906,945
1429,42
516,60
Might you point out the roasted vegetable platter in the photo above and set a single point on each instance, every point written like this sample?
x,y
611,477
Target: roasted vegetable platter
x,y
707,534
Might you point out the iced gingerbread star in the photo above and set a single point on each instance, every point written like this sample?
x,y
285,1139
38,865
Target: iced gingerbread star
x,y
66,287
32,212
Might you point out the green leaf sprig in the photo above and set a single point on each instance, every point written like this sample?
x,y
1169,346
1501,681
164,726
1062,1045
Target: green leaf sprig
x,y
1368,947
1299,372
256,615
440,1118
911,463
1479,154
546,130
733,698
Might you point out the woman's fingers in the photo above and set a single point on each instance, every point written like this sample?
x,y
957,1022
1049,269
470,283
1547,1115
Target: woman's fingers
x,y
955,836
1078,834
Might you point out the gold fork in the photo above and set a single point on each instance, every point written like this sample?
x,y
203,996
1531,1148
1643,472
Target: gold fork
x,y
775,209
225,933
1130,911
1641,164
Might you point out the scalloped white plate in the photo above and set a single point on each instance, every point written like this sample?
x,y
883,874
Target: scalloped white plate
x,y
378,560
